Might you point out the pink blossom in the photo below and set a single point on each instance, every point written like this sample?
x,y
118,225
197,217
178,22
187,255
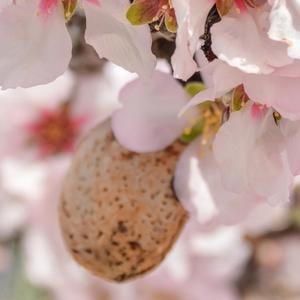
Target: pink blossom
x,y
234,178
249,163
37,182
48,120
270,76
277,90
36,47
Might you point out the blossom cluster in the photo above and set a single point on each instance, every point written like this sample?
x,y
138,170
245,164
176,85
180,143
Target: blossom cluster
x,y
228,93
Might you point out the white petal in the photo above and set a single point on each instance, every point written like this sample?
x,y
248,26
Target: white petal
x,y
5,3
35,49
97,94
282,93
219,79
291,131
241,42
199,187
190,183
191,16
148,120
265,218
285,24
114,38
249,153
13,215
182,59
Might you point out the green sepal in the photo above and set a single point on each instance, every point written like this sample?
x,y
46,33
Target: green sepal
x,y
224,6
69,8
171,23
195,87
141,12
239,98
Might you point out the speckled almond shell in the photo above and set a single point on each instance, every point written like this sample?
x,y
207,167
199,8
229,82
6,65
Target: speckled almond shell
x,y
118,212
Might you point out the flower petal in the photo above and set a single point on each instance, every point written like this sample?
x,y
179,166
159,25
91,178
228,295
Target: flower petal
x,y
240,41
198,185
285,24
292,138
35,49
114,38
256,162
282,93
148,120
190,27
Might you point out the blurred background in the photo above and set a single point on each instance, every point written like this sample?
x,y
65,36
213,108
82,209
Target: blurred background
x,y
40,127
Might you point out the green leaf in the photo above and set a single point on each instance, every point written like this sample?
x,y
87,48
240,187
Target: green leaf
x,y
69,8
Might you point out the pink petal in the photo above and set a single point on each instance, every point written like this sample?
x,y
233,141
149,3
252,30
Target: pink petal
x,y
241,42
190,27
34,49
148,120
252,150
291,132
285,25
114,38
198,185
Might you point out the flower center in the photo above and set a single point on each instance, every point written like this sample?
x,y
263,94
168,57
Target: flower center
x,y
54,132
153,11
166,15
258,111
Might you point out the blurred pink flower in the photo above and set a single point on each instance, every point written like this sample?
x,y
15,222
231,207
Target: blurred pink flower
x,y
49,119
55,131
38,181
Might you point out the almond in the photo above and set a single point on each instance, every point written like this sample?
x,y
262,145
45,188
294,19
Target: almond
x,y
118,211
